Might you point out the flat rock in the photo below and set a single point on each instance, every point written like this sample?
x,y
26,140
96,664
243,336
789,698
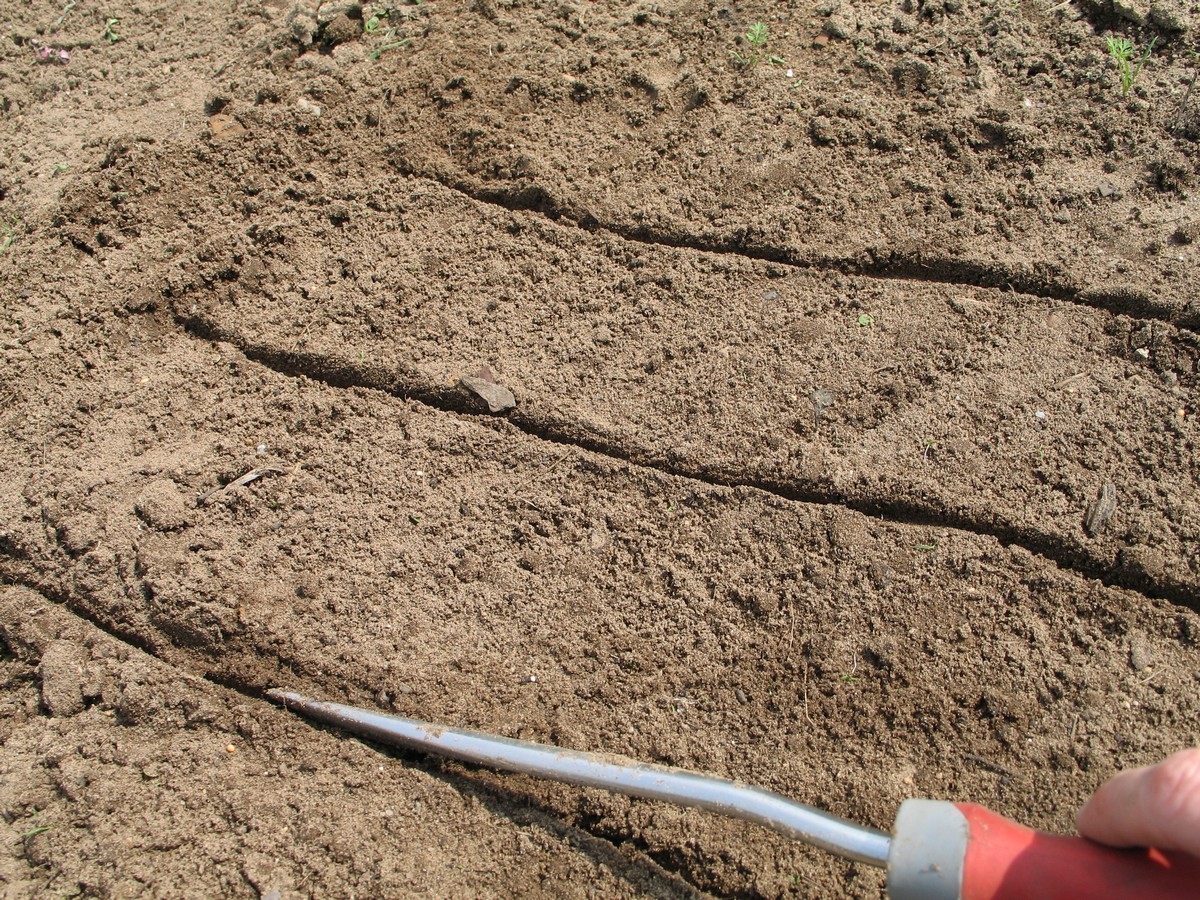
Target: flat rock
x,y
497,397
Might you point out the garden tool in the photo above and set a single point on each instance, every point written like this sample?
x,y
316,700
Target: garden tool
x,y
937,850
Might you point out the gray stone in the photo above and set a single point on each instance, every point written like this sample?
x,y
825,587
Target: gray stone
x,y
498,398
1140,654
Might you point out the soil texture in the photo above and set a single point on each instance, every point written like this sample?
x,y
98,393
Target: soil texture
x,y
817,411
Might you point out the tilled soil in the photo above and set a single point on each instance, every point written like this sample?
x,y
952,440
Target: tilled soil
x,y
828,425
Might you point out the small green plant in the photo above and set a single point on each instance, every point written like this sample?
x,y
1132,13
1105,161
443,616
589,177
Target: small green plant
x,y
374,24
394,45
866,320
60,169
66,11
1129,64
8,234
385,22
35,831
110,31
757,37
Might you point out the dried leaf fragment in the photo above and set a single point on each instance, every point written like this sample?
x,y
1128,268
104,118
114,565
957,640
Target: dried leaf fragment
x,y
1101,509
252,475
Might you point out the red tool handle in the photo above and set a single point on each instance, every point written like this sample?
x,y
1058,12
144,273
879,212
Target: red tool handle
x,y
1005,860
960,851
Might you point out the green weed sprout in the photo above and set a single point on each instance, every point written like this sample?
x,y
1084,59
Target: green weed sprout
x,y
756,37
375,25
1129,65
66,11
110,31
7,236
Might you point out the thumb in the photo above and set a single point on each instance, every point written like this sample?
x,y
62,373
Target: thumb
x,y
1156,806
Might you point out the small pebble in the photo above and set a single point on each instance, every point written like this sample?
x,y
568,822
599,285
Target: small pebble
x,y
497,398
741,696
821,401
1140,654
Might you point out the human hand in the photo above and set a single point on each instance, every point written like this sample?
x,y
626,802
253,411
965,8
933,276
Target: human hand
x,y
1156,806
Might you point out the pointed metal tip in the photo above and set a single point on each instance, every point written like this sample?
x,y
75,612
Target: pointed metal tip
x,y
286,698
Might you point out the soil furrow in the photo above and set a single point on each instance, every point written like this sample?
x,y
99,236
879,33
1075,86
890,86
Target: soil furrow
x,y
1044,280
344,374
457,569
65,632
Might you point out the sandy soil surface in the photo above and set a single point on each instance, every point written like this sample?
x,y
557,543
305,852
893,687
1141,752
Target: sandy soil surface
x,y
820,414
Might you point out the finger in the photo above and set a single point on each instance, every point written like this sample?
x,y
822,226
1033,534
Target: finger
x,y
1158,806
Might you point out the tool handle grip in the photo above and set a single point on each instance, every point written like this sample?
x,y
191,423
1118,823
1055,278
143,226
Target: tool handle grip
x,y
1006,861
961,851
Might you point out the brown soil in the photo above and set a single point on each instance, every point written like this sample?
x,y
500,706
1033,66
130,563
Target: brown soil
x,y
825,383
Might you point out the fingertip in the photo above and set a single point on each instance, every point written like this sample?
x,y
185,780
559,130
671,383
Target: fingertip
x,y
1110,815
1155,806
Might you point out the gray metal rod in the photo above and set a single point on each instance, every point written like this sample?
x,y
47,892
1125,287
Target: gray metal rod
x,y
613,773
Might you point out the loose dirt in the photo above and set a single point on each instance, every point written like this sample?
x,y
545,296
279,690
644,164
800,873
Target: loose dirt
x,y
854,451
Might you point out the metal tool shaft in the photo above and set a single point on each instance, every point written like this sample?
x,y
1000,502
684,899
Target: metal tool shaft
x,y
803,823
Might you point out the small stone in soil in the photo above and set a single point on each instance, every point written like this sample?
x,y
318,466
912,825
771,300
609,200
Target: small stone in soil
x,y
1140,654
821,401
498,398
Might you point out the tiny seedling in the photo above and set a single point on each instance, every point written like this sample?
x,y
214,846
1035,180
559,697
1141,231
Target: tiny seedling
x,y
866,320
1129,64
394,45
66,11
757,37
36,830
8,234
110,31
61,169
374,24
385,23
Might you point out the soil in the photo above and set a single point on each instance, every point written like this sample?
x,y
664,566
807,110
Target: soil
x,y
828,423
